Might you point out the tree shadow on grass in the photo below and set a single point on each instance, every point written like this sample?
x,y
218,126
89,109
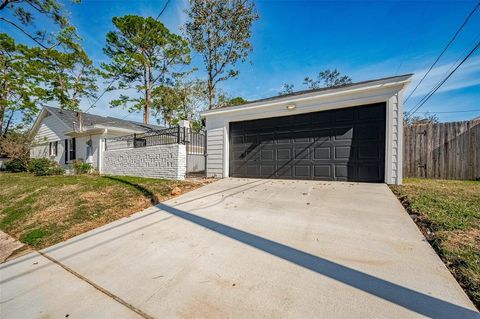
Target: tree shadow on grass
x,y
145,191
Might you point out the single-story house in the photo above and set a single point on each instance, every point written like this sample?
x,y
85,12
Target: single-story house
x,y
347,133
3,160
65,135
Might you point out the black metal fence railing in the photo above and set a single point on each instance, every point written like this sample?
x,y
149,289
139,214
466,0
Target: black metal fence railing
x,y
195,141
166,136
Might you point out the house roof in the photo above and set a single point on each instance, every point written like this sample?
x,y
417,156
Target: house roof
x,y
315,92
69,118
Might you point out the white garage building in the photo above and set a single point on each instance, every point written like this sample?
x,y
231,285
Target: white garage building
x,y
347,133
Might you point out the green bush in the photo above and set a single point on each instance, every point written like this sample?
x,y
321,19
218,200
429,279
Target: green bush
x,y
45,166
80,167
15,166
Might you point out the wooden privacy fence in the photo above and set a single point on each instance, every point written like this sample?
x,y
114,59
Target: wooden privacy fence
x,y
442,150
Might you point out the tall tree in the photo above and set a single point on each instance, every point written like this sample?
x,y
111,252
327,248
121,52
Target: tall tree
x,y
184,100
220,31
286,89
327,78
238,100
30,76
20,80
143,53
69,77
21,15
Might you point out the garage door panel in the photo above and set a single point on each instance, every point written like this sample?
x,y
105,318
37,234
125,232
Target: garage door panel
x,y
284,154
266,138
302,171
343,133
367,132
322,117
267,171
322,171
366,171
267,154
346,144
344,115
252,170
368,151
301,153
284,170
322,153
342,172
322,135
343,152
365,114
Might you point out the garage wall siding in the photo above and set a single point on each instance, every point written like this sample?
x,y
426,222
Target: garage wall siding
x,y
396,109
215,152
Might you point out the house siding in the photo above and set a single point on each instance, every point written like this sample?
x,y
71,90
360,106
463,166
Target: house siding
x,y
50,130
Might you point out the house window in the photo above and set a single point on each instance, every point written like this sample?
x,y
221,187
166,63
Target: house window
x,y
53,149
69,150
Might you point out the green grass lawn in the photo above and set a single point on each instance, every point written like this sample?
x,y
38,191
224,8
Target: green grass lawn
x,y
43,210
448,212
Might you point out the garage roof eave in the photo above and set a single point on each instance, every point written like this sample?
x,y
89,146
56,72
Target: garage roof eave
x,y
400,80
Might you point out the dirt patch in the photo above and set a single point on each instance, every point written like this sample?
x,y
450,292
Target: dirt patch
x,y
9,247
463,239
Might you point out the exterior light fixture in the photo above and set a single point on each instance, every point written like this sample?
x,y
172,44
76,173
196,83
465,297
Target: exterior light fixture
x,y
291,107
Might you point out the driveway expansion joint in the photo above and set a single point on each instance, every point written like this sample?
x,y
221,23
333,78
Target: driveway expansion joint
x,y
97,287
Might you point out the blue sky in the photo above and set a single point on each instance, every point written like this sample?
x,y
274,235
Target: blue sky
x,y
294,39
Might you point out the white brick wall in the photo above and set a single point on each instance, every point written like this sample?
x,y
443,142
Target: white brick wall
x,y
161,161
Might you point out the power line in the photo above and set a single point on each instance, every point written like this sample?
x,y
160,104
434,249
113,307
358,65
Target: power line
x,y
429,95
444,50
113,80
465,52
445,112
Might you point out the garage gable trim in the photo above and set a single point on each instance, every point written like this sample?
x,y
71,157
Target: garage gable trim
x,y
397,83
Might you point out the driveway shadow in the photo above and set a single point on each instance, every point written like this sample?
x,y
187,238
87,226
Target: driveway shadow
x,y
410,299
145,191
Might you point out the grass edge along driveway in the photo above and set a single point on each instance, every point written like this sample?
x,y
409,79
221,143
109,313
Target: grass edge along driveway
x,y
448,213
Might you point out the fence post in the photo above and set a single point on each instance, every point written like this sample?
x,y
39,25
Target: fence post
x,y
178,134
134,140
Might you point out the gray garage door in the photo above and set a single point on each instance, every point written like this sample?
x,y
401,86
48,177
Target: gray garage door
x,y
345,145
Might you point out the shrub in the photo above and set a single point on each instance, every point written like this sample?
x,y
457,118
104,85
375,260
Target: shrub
x,y
45,166
15,166
80,167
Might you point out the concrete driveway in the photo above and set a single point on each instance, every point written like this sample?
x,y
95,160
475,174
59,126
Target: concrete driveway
x,y
241,248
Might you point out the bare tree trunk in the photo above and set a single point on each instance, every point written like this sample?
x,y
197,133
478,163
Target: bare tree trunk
x,y
7,126
211,92
3,105
147,95
2,115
